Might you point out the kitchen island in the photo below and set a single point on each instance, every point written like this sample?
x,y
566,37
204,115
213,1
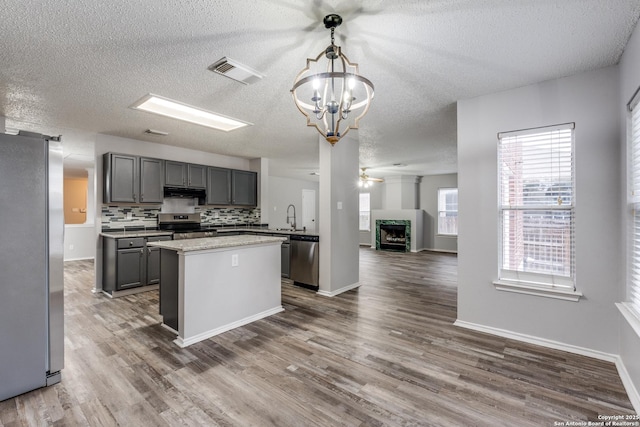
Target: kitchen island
x,y
211,285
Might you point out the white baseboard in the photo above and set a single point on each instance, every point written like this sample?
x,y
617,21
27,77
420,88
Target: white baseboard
x,y
182,342
339,291
629,386
439,250
79,259
539,341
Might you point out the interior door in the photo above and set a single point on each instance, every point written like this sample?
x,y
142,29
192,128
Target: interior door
x,y
309,210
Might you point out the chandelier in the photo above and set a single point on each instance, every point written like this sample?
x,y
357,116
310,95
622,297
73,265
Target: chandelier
x,y
331,94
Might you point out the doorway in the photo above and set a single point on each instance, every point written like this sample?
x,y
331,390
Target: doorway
x,y
309,210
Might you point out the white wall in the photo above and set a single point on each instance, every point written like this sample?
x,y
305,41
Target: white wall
x,y
591,100
79,241
286,191
629,82
429,203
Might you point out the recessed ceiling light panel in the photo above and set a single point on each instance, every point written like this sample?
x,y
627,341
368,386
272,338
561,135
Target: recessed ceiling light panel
x,y
177,110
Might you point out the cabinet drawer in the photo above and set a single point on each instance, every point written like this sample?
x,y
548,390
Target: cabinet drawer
x,y
158,238
136,242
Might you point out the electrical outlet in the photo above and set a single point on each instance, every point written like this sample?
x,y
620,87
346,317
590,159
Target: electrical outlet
x,y
216,215
234,260
129,215
71,247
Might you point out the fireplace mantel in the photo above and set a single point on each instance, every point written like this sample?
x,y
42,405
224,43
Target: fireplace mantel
x,y
416,216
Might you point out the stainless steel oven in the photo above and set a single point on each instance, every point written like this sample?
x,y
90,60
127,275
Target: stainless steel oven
x,y
184,226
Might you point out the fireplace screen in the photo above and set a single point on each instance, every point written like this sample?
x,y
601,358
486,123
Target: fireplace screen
x,y
393,235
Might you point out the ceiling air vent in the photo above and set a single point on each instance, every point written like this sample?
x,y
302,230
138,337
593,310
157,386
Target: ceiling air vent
x,y
235,70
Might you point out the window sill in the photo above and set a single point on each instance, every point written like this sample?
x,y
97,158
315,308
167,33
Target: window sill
x,y
631,317
446,235
529,288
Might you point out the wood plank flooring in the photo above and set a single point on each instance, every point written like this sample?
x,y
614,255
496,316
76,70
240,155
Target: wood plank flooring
x,y
385,354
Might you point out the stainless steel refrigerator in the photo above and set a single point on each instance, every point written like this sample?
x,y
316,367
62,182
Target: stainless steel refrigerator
x,y
31,263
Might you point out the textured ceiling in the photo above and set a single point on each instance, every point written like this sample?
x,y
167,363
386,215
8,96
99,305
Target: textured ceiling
x,y
79,65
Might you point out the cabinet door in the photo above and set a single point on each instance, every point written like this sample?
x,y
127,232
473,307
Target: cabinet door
x,y
175,174
151,180
129,271
153,260
121,178
153,266
244,185
218,186
197,176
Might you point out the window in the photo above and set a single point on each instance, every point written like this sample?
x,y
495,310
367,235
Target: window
x,y
448,211
633,293
536,209
365,211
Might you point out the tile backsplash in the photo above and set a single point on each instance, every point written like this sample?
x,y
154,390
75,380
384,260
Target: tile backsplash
x,y
118,217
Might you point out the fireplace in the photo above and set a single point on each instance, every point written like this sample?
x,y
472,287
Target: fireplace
x,y
393,235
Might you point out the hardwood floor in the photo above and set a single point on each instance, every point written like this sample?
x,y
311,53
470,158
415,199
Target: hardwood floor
x,y
384,354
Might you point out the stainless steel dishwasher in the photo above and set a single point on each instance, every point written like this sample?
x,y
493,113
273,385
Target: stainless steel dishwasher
x,y
304,260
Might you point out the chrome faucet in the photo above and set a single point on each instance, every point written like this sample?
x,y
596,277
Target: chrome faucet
x,y
293,224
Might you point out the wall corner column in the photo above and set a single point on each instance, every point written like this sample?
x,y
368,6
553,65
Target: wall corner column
x,y
338,215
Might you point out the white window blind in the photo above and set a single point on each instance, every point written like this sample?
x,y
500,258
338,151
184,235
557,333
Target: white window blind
x,y
365,212
448,211
536,204
634,200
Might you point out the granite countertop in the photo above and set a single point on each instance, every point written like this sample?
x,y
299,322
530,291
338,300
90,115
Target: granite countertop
x,y
283,231
205,243
134,233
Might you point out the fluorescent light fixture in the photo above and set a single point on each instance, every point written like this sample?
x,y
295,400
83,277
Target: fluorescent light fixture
x,y
177,110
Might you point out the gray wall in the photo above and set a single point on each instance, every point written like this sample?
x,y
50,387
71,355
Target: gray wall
x,y
285,191
429,203
629,82
591,100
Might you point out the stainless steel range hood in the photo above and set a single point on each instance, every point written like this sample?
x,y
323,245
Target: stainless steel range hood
x,y
181,192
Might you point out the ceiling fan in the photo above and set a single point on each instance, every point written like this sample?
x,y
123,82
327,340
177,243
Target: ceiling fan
x,y
365,180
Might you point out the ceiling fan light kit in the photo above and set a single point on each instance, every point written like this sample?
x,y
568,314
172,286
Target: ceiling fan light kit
x,y
365,180
332,94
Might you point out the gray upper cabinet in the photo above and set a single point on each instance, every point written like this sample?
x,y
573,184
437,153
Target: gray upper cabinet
x,y
132,179
197,175
244,188
178,174
120,184
175,174
151,180
218,186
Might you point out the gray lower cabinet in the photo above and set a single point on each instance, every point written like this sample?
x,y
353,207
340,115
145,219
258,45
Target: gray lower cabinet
x,y
169,288
153,260
129,263
129,268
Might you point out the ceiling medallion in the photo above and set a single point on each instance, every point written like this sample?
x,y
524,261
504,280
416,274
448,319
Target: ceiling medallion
x,y
331,94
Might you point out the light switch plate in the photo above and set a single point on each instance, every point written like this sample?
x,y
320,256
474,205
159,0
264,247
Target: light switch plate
x,y
234,260
339,205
